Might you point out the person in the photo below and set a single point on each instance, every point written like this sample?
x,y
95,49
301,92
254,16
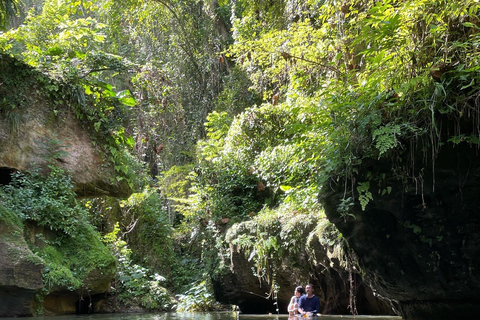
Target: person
x,y
293,305
309,304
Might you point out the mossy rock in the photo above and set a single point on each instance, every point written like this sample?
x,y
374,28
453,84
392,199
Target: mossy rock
x,y
20,268
40,122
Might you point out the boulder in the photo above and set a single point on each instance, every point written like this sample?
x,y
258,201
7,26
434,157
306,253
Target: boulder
x,y
310,262
20,269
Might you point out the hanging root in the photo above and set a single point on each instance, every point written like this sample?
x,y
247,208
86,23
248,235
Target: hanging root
x,y
352,279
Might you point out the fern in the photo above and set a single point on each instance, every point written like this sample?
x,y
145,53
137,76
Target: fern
x,y
386,137
364,194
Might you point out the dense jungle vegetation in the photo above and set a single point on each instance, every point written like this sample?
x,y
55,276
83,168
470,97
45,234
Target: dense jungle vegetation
x,y
226,111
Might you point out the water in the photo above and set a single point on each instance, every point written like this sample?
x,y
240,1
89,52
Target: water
x,y
199,316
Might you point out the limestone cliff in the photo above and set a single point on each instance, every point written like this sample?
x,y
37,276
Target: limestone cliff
x,y
39,126
306,260
36,127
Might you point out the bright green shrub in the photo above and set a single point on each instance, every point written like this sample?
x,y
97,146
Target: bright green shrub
x,y
136,285
47,200
198,298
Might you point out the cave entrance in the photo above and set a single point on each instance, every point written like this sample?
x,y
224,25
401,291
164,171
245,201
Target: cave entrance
x,y
84,305
6,175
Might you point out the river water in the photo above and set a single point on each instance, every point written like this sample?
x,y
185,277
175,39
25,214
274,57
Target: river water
x,y
199,316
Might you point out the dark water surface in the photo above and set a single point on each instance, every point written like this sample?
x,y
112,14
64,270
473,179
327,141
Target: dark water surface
x,y
200,316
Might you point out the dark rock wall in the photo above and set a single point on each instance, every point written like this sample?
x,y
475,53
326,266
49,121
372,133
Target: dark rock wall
x,y
419,246
315,263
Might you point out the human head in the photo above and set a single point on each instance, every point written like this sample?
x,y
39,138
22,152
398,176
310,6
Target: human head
x,y
300,290
309,289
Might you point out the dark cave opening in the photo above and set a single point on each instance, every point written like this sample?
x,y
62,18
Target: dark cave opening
x,y
6,175
84,305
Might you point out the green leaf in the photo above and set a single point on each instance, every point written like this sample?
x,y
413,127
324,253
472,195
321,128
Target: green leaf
x,y
126,98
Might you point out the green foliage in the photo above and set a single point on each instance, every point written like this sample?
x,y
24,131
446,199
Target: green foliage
x,y
168,39
69,45
236,95
57,272
136,285
386,137
278,236
199,298
8,218
46,200
342,84
151,241
16,75
70,260
188,266
364,194
381,72
242,170
344,207
175,182
306,93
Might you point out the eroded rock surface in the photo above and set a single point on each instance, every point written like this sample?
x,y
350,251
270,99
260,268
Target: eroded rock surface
x,y
315,263
419,246
36,130
20,271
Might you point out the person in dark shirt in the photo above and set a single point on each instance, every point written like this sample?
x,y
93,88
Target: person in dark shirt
x,y
309,304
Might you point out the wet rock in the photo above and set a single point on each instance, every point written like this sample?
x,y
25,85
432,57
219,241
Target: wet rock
x,y
20,270
312,263
419,246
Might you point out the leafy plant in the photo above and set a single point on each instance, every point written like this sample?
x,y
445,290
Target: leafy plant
x,y
198,298
136,285
364,194
47,200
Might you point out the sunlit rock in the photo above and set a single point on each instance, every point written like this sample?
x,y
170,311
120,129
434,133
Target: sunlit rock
x,y
35,131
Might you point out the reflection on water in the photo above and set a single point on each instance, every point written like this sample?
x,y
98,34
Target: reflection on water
x,y
200,316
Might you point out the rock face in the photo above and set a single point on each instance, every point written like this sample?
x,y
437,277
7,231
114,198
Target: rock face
x,y
20,271
319,267
36,130
419,246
